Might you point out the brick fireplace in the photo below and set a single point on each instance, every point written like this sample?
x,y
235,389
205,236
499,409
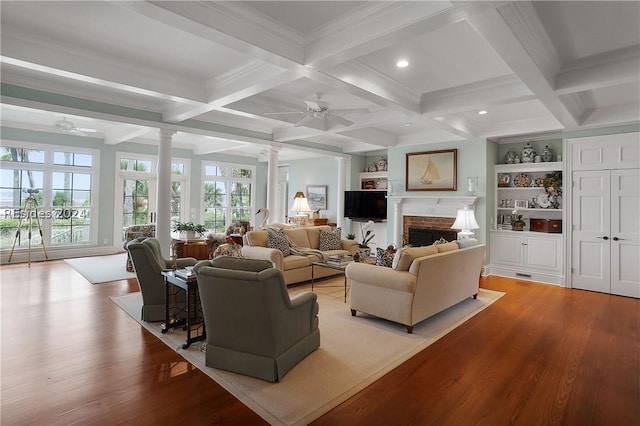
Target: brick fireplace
x,y
430,223
425,212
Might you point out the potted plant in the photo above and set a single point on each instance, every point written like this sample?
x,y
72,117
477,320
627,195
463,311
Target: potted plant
x,y
517,224
188,230
351,236
366,231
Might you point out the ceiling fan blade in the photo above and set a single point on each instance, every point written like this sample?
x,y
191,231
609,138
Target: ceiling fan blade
x,y
351,111
341,120
304,121
284,113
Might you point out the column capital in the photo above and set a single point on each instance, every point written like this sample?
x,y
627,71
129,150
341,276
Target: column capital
x,y
166,133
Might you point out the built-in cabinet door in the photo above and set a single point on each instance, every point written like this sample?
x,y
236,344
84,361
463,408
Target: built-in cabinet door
x,y
591,217
608,152
625,232
543,253
507,248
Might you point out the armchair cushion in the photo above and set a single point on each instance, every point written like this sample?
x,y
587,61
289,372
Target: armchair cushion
x,y
331,240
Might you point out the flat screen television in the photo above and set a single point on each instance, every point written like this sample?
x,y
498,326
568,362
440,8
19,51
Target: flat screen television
x,y
365,205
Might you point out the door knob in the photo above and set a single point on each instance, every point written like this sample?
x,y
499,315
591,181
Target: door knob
x,y
603,238
617,239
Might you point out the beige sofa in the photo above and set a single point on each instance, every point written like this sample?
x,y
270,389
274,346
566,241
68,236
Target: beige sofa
x,y
422,282
295,268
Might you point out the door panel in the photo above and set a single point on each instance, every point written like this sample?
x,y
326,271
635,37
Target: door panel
x,y
625,232
591,247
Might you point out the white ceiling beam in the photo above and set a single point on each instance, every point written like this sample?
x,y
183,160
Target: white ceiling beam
x,y
119,135
518,36
608,69
381,25
226,94
477,95
44,56
611,115
533,125
225,24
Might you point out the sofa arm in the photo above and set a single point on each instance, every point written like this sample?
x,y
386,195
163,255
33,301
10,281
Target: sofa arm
x,y
350,245
380,276
264,253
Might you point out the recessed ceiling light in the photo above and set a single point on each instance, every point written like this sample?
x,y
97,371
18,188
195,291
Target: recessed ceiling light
x,y
407,124
483,112
402,63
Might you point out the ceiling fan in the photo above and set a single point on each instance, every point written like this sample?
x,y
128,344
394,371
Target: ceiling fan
x,y
317,109
67,126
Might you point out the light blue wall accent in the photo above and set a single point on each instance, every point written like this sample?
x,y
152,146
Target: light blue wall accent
x,y
472,161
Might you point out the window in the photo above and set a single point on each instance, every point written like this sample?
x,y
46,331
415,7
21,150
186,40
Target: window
x,y
138,186
229,191
49,189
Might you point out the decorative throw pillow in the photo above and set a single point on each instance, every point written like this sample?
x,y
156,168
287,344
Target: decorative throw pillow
x,y
385,257
278,240
228,249
440,241
330,240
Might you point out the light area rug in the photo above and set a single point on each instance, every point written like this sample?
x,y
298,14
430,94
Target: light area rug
x,y
101,269
353,353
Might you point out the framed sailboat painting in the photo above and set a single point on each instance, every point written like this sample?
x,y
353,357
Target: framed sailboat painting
x,y
432,170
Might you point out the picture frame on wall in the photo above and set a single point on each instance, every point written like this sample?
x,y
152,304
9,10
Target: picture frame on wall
x,y
432,170
317,196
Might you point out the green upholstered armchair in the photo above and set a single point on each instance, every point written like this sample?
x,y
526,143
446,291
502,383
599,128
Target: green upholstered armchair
x,y
148,264
253,326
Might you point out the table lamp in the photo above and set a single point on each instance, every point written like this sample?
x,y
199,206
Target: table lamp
x,y
300,204
466,222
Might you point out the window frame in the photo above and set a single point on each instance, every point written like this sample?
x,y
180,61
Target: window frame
x,y
47,210
229,181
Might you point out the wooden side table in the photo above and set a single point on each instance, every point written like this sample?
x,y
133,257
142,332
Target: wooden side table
x,y
321,221
198,249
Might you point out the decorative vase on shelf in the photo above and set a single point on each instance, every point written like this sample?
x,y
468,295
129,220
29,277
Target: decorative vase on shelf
x,y
372,167
547,154
528,154
381,165
518,225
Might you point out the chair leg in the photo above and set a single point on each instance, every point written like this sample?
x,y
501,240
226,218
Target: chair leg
x,y
353,312
410,329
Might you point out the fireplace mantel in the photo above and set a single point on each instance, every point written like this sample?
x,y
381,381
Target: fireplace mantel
x,y
426,205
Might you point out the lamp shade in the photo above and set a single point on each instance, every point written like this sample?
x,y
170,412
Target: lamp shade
x,y
465,221
300,203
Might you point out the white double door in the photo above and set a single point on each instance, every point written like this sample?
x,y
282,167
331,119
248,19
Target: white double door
x,y
606,231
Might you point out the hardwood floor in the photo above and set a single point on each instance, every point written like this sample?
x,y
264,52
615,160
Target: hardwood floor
x,y
539,355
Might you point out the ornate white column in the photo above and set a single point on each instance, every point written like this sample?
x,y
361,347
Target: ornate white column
x,y
163,207
272,183
342,186
397,222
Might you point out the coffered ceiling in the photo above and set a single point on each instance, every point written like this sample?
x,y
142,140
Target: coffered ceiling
x,y
217,71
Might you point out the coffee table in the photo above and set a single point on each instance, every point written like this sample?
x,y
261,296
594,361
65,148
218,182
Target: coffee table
x,y
194,320
337,267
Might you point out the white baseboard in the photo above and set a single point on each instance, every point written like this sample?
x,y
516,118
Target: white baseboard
x,y
56,253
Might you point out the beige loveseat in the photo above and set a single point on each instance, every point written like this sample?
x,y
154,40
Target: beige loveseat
x,y
422,282
295,268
